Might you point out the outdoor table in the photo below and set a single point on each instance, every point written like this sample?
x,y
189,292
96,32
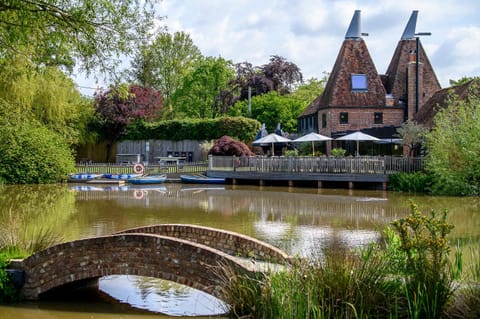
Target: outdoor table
x,y
162,160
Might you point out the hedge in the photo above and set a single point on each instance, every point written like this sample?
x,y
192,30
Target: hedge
x,y
240,128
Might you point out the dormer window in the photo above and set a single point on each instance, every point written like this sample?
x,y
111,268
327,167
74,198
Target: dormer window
x,y
359,83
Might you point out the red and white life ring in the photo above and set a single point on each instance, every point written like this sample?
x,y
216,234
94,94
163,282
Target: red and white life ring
x,y
138,169
138,194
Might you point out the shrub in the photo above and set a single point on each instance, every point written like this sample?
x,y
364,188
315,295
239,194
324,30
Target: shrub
x,y
291,153
426,269
416,182
338,152
240,128
8,292
31,154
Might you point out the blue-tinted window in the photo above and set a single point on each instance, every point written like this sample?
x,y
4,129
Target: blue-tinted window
x,y
359,82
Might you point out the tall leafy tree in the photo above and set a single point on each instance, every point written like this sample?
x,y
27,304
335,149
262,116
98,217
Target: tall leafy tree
x,y
283,74
460,81
201,93
310,90
164,63
119,107
47,95
271,108
453,147
59,32
278,75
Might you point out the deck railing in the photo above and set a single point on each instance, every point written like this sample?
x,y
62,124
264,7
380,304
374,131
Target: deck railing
x,y
166,168
320,165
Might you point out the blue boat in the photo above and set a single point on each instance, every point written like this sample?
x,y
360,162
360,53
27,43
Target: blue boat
x,y
122,176
83,177
201,179
148,179
81,188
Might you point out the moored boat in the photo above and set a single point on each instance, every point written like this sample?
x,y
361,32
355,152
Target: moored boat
x,y
122,176
83,177
148,179
201,179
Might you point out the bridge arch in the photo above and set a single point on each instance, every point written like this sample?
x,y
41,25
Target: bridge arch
x,y
229,242
149,255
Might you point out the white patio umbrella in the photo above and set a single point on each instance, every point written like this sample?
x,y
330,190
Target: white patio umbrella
x,y
312,137
358,137
271,139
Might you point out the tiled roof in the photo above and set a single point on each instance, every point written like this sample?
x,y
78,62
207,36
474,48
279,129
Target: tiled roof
x,y
439,100
353,58
397,71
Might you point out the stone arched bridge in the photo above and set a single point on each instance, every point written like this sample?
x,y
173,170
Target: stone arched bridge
x,y
187,254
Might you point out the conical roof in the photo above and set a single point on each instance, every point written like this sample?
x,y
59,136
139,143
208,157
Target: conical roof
x,y
353,58
396,83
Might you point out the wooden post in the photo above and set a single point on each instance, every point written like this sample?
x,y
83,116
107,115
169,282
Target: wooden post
x,y
319,184
350,185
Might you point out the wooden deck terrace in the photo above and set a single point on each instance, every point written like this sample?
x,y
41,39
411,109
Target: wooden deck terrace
x,y
319,170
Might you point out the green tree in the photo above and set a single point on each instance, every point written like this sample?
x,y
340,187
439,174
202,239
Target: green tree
x,y
48,95
58,32
460,81
164,63
200,94
278,75
271,108
412,135
453,147
310,90
121,106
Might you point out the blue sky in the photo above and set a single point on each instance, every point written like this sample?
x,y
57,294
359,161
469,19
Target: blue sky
x,y
309,33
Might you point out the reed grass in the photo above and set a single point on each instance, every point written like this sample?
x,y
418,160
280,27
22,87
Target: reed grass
x,y
18,241
407,276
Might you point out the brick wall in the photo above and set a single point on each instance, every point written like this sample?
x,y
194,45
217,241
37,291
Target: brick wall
x,y
231,243
359,118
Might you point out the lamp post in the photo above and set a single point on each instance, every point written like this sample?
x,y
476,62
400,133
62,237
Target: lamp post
x,y
417,35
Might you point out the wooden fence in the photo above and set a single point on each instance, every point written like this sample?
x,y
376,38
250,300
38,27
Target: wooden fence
x,y
320,165
167,168
276,164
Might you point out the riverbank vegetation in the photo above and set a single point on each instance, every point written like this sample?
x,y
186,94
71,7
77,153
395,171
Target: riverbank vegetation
x,y
409,275
451,146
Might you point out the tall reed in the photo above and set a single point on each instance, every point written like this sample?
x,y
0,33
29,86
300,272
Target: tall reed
x,y
408,276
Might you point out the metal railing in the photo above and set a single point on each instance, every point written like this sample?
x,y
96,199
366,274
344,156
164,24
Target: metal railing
x,y
321,165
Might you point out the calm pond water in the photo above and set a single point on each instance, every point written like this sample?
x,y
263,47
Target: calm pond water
x,y
298,220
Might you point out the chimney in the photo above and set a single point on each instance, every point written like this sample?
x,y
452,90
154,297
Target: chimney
x,y
412,86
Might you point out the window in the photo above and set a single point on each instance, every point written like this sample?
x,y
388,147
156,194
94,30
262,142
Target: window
x,y
359,82
378,118
324,120
343,117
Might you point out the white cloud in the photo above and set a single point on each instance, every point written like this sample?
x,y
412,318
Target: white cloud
x,y
309,33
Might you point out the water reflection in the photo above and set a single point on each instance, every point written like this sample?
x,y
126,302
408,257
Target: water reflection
x,y
299,220
161,296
